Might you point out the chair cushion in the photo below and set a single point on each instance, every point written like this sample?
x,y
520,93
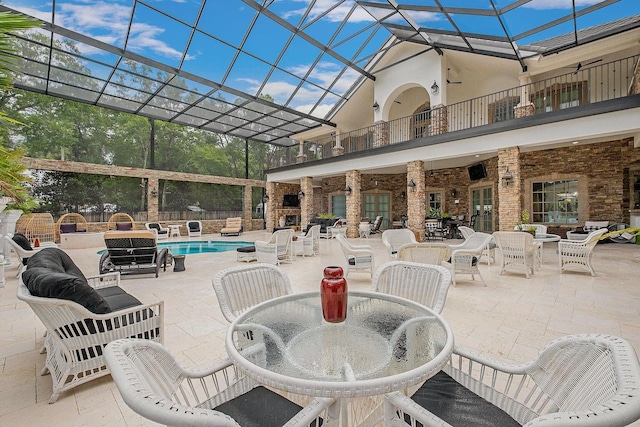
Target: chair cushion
x,y
22,241
68,228
260,407
246,249
50,273
117,299
474,261
194,226
459,406
352,261
124,226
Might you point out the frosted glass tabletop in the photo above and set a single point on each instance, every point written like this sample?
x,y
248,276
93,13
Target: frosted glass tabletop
x,y
387,343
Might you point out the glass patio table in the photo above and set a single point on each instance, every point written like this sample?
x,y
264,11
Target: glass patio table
x,y
387,343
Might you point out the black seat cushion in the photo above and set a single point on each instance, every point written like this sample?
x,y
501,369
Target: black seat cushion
x,y
459,406
194,226
117,298
260,407
68,228
124,226
24,243
246,249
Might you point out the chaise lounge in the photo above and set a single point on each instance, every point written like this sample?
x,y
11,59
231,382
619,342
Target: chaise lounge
x,y
233,226
132,252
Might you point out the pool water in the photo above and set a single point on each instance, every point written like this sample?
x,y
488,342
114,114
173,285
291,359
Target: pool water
x,y
199,247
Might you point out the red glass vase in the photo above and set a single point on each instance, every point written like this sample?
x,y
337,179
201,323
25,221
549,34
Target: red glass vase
x,y
333,295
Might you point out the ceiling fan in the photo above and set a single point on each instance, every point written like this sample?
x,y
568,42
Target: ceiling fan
x,y
581,65
449,82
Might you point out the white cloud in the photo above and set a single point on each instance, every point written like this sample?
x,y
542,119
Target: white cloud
x,y
336,15
559,4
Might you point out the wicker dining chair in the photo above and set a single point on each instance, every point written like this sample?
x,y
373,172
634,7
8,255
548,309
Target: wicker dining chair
x,y
393,239
423,283
489,251
583,380
465,256
155,386
240,288
425,253
518,251
311,241
358,257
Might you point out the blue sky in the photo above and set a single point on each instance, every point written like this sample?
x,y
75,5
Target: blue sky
x,y
269,59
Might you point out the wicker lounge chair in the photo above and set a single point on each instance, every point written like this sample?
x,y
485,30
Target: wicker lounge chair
x,y
277,249
121,222
232,226
132,252
518,250
465,256
358,257
579,380
162,233
577,253
311,241
194,228
82,315
424,253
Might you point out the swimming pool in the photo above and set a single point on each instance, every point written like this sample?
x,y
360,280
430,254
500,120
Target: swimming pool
x,y
199,246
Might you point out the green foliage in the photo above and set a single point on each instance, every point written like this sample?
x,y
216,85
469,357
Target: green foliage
x,y
327,216
434,213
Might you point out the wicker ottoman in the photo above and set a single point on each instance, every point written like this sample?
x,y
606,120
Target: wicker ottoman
x,y
246,254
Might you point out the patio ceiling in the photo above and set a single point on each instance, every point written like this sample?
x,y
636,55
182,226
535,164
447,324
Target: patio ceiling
x,y
272,69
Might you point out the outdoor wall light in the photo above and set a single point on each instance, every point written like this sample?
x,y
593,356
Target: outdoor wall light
x,y
376,107
300,195
411,185
454,192
507,177
435,88
347,191
154,192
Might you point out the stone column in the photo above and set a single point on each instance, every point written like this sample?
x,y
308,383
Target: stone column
x,y
635,89
270,211
416,203
509,191
354,202
301,157
439,119
381,133
247,207
152,201
306,204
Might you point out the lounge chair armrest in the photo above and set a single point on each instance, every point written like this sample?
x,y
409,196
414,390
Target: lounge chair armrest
x,y
104,280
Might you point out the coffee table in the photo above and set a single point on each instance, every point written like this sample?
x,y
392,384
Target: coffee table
x,y
174,230
387,343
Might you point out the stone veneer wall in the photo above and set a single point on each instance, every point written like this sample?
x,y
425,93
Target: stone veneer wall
x,y
509,194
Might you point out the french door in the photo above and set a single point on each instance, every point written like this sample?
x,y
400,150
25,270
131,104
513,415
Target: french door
x,y
482,206
377,204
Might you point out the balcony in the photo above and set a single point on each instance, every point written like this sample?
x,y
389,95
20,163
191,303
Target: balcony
x,y
572,91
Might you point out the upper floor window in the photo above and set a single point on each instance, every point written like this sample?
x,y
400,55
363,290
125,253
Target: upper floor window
x,y
555,202
559,96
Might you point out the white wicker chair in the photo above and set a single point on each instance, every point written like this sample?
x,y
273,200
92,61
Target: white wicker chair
x,y
277,249
194,228
425,253
162,233
518,250
422,283
489,252
578,253
154,385
358,257
579,380
393,239
465,256
24,253
76,337
311,241
240,288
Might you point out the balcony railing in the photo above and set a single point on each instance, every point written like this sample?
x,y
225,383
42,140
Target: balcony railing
x,y
583,86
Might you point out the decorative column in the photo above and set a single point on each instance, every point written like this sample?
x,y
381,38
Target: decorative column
x,y
509,188
354,202
439,119
338,149
635,89
306,203
525,107
152,199
301,157
247,208
380,133
416,203
270,210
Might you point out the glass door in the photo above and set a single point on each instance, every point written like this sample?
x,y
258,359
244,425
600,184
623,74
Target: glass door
x,y
482,206
376,204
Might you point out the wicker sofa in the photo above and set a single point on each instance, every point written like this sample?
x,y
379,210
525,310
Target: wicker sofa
x,y
81,316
